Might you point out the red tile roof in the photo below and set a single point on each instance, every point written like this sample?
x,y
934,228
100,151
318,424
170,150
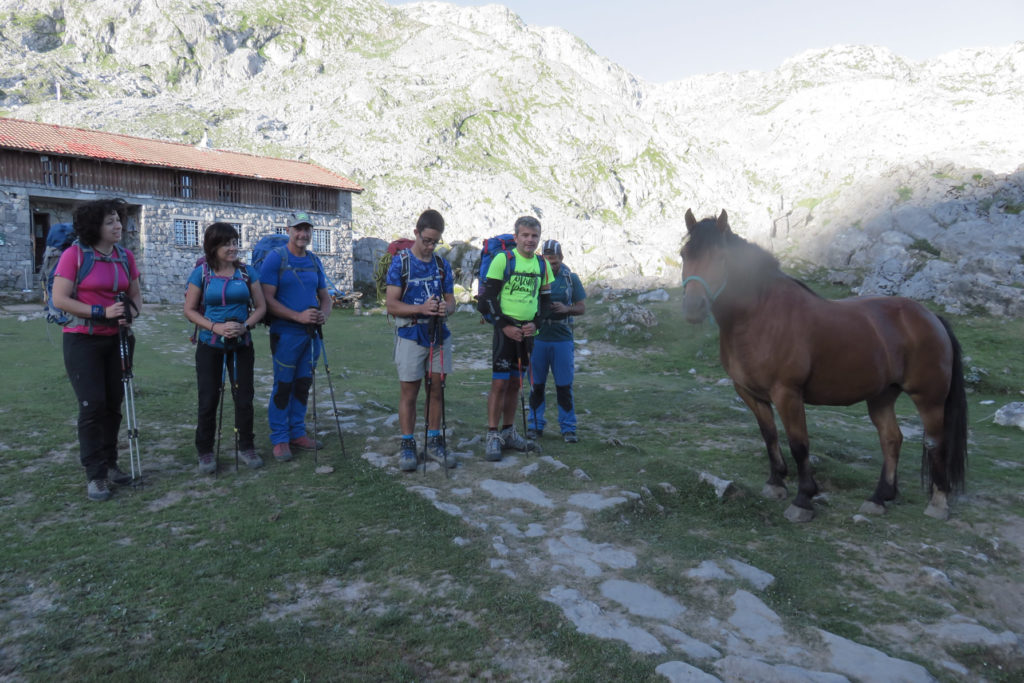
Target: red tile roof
x,y
93,144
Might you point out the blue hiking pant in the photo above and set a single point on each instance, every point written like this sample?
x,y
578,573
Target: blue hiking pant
x,y
558,356
295,353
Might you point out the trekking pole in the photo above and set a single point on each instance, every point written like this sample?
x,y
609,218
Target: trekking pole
x,y
220,401
429,380
127,376
530,445
444,421
330,385
311,330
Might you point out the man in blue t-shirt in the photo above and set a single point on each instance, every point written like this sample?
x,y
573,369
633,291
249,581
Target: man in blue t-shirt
x,y
295,287
553,347
420,293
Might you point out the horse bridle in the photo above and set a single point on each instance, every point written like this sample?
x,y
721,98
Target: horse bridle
x,y
707,288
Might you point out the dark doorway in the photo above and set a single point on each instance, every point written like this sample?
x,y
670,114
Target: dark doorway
x,y
40,229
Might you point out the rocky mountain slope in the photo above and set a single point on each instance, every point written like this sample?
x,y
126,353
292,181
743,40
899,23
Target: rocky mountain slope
x,y
898,176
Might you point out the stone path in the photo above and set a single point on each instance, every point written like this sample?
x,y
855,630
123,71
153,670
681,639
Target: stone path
x,y
541,536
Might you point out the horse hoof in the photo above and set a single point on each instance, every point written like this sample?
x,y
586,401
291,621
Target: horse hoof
x,y
774,492
871,508
797,514
936,512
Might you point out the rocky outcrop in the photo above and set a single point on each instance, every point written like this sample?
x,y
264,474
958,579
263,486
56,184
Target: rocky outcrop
x,y
472,112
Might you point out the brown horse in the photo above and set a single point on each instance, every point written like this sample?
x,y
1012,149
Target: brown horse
x,y
784,345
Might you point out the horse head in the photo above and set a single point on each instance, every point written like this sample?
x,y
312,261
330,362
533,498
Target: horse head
x,y
704,264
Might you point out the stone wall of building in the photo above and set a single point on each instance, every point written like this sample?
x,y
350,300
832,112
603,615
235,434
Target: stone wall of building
x,y
149,233
166,266
16,256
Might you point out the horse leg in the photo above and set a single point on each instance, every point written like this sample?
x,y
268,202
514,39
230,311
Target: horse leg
x,y
883,416
790,404
932,419
775,487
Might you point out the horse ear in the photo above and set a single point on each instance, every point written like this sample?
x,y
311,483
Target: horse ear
x,y
723,223
691,222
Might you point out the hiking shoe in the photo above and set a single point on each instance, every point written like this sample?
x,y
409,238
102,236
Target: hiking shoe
x,y
306,444
511,439
282,453
407,460
249,457
207,463
570,437
439,452
534,434
98,490
494,444
119,477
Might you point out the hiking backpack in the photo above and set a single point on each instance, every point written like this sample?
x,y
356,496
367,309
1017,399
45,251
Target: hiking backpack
x,y
207,276
380,270
505,243
279,243
59,239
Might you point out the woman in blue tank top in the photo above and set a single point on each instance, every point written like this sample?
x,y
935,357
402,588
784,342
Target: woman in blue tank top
x,y
224,300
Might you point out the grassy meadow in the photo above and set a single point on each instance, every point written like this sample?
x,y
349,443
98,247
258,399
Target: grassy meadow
x,y
287,574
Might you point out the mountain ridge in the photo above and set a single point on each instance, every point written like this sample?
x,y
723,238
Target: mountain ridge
x,y
475,113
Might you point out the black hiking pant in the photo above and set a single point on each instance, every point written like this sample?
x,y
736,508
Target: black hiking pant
x,y
209,374
93,364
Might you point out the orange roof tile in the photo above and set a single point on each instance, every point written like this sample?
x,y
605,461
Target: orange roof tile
x,y
79,142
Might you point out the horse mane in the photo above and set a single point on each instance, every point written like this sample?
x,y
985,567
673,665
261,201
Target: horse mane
x,y
751,265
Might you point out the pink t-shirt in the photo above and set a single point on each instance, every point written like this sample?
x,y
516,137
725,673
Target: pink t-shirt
x,y
100,286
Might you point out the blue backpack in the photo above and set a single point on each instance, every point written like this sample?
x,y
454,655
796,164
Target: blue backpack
x,y
61,237
493,246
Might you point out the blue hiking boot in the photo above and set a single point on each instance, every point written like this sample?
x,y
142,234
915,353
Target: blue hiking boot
x,y
407,460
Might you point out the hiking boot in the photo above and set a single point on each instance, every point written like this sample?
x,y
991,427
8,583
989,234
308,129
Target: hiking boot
x,y
282,453
207,463
305,443
98,490
534,434
494,444
439,452
407,460
119,477
249,457
511,439
570,437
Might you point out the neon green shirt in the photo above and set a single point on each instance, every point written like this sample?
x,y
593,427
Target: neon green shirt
x,y
520,297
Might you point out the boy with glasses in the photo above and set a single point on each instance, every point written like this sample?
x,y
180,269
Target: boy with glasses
x,y
420,294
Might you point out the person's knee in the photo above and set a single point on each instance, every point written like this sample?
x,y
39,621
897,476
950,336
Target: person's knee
x,y
564,394
301,389
537,395
282,395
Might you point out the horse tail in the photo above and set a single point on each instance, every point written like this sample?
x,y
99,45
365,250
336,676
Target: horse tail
x,y
955,418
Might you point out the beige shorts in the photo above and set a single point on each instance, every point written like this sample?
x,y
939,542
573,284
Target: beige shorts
x,y
411,359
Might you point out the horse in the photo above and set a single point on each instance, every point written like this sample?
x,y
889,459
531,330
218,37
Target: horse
x,y
785,346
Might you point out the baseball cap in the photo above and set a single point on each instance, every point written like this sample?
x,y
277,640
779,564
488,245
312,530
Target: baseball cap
x,y
552,247
299,218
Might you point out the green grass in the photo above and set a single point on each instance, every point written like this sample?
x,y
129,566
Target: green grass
x,y
285,574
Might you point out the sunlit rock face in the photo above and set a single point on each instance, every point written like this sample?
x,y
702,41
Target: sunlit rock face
x,y
896,176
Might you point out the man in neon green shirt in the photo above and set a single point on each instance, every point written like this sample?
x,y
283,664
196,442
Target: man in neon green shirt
x,y
516,295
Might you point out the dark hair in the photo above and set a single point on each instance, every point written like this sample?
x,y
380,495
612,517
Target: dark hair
x,y
88,218
430,220
527,222
216,236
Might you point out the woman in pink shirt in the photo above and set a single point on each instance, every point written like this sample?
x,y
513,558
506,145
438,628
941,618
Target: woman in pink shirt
x,y
89,278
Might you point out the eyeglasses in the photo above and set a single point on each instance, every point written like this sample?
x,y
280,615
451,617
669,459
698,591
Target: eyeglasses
x,y
429,242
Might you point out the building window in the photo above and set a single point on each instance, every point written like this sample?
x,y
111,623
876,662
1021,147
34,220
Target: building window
x,y
183,186
321,240
186,233
280,229
227,190
56,171
321,201
280,196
